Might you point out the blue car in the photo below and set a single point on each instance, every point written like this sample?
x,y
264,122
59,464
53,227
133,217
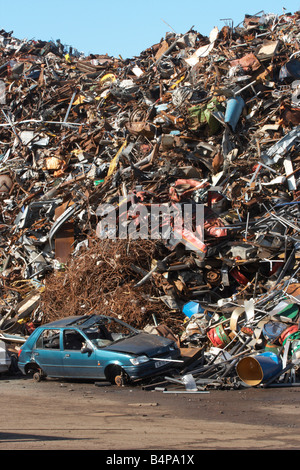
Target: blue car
x,y
96,347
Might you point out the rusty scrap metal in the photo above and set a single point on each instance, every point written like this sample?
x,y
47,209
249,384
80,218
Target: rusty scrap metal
x,y
206,121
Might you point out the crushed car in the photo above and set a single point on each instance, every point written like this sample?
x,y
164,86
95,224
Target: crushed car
x,y
96,347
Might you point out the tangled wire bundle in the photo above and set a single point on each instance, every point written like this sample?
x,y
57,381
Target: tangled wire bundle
x,y
100,279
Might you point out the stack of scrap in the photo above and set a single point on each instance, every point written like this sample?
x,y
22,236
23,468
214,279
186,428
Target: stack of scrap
x,y
210,123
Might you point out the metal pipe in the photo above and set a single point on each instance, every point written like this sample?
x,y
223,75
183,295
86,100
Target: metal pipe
x,y
69,107
288,367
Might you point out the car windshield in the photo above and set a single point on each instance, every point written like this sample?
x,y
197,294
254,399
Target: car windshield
x,y
107,331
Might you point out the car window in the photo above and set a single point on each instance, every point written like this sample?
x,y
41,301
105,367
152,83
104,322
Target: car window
x,y
72,339
107,331
48,339
119,330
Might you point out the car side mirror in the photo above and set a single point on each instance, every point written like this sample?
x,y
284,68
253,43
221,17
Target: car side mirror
x,y
86,349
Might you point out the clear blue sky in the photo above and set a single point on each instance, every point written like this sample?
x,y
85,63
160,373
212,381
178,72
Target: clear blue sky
x,y
125,27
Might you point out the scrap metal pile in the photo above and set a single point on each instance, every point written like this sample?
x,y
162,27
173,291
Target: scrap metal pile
x,y
204,121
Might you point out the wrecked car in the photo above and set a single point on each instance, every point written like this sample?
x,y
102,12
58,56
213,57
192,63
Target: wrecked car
x,y
95,347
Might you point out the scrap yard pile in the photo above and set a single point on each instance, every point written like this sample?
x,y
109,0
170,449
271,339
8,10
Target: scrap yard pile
x,y
210,123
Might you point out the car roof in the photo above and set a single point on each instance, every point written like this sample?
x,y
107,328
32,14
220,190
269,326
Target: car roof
x,y
76,321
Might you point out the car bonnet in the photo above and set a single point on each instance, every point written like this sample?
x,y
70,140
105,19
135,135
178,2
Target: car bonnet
x,y
142,343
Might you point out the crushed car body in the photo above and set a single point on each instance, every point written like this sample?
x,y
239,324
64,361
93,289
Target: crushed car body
x,y
95,347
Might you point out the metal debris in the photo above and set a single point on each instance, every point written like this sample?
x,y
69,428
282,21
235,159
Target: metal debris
x,y
213,122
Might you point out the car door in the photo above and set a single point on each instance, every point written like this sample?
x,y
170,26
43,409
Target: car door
x,y
47,352
79,364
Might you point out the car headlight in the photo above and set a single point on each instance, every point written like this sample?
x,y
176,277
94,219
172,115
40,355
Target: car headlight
x,y
139,360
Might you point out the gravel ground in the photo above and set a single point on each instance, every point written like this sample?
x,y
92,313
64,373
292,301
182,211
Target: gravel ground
x,y
68,415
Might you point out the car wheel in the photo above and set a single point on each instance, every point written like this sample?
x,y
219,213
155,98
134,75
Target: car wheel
x,y
38,376
116,375
119,380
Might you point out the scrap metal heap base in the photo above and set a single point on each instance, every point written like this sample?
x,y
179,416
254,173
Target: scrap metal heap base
x,y
210,123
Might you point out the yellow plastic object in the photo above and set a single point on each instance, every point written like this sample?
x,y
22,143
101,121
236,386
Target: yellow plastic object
x,y
177,82
80,100
109,77
115,160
